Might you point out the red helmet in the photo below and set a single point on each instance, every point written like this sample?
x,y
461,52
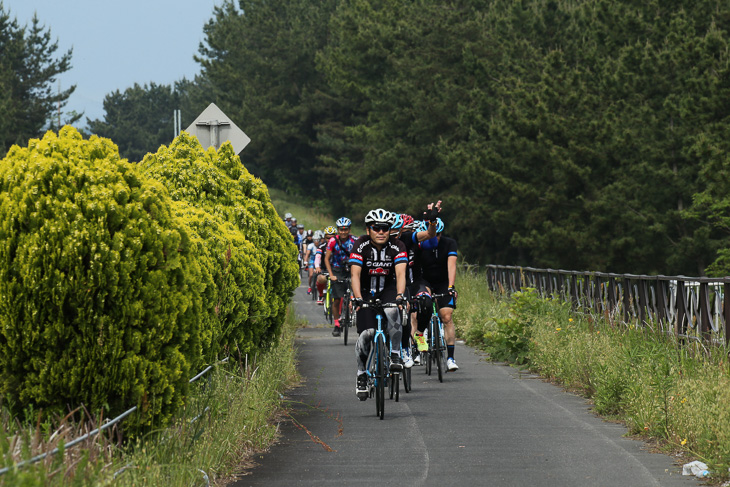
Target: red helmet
x,y
407,219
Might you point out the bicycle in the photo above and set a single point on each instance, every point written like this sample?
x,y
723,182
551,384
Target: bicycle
x,y
313,286
407,383
436,352
327,301
378,364
347,317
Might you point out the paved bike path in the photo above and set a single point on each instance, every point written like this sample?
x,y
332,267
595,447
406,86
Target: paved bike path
x,y
484,425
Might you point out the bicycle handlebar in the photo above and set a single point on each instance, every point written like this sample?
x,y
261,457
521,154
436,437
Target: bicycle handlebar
x,y
378,304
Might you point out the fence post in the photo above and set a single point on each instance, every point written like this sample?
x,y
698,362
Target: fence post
x,y
627,298
726,310
705,318
679,325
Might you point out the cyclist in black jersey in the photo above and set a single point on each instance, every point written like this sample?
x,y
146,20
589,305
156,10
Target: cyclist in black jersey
x,y
438,275
377,268
410,236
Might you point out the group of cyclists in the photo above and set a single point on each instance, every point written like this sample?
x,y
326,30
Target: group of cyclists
x,y
398,261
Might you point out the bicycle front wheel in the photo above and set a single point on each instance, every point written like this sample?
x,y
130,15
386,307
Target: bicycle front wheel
x,y
380,376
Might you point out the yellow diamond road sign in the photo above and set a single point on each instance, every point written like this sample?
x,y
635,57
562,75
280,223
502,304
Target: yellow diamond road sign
x,y
213,128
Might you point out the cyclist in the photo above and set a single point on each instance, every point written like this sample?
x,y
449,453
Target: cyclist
x,y
293,229
335,260
301,235
309,250
411,236
438,268
329,232
378,265
287,219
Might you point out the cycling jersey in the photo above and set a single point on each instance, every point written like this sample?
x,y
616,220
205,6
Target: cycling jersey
x,y
434,261
413,271
378,266
321,249
340,250
312,249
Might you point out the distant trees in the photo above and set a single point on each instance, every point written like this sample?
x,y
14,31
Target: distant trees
x,y
140,119
28,71
569,134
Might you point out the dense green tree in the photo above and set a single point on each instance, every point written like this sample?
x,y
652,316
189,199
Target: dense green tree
x,y
259,59
140,119
561,134
29,97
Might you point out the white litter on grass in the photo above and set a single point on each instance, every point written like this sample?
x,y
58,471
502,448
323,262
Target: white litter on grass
x,y
696,468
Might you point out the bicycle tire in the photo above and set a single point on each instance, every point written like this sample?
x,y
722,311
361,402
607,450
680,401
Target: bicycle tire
x,y
396,385
328,307
380,376
407,380
391,385
426,360
438,349
345,317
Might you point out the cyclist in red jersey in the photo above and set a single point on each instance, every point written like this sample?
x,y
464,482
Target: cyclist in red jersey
x,y
335,260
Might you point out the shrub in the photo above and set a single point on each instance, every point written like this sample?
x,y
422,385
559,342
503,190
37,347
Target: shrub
x,y
251,252
100,292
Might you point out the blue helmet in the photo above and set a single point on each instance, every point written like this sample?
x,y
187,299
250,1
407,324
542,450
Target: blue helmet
x,y
439,225
420,226
343,222
398,222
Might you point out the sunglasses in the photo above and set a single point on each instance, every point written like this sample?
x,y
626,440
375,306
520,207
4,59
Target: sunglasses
x,y
380,228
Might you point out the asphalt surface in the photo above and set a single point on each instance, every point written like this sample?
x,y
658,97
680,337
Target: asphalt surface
x,y
486,424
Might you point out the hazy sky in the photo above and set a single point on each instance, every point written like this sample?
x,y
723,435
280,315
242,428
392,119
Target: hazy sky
x,y
117,44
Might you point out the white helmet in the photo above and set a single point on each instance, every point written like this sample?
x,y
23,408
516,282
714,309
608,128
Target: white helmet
x,y
379,217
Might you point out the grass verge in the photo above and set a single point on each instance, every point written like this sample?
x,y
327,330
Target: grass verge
x,y
230,415
312,217
675,395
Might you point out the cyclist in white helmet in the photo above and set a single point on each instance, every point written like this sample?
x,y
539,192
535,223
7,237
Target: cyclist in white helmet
x,y
329,232
335,260
378,271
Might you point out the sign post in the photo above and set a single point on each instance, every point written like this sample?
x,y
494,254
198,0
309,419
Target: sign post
x,y
213,128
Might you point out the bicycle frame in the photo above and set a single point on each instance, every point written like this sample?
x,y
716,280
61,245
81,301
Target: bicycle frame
x,y
378,368
436,340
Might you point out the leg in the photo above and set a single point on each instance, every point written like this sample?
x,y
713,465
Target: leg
x,y
395,331
362,349
450,336
446,318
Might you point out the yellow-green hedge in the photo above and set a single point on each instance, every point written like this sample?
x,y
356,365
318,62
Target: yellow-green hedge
x,y
118,282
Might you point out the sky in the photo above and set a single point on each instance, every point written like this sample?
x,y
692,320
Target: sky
x,y
116,44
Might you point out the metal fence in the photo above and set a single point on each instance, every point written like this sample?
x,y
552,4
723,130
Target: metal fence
x,y
107,425
679,304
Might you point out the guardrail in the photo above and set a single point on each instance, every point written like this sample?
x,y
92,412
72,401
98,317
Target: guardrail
x,y
676,303
107,425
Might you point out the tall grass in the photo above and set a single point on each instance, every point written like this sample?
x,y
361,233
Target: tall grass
x,y
675,394
311,216
229,415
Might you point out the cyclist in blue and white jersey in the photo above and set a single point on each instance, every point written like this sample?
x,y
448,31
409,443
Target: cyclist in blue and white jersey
x,y
377,265
335,260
